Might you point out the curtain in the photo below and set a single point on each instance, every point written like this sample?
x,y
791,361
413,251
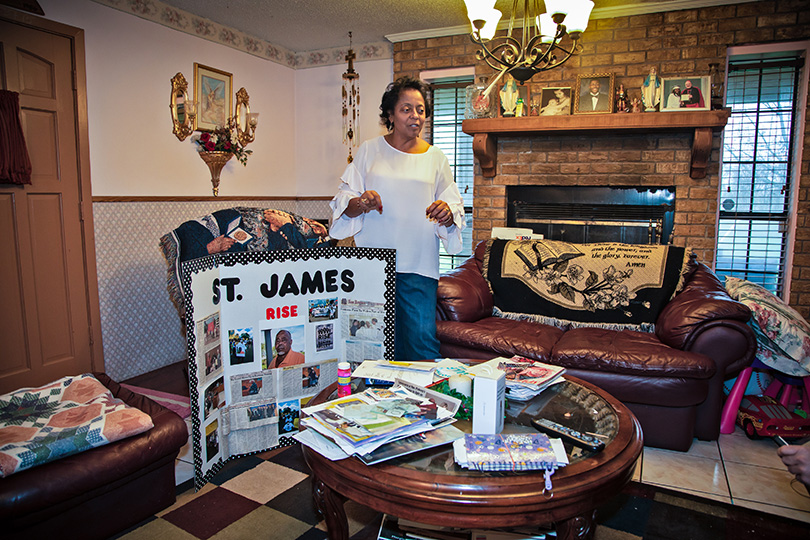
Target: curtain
x,y
15,165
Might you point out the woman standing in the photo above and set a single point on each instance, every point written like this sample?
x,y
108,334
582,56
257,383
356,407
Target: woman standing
x,y
399,193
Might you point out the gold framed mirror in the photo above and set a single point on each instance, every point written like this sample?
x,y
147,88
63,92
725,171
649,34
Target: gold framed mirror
x,y
183,110
245,120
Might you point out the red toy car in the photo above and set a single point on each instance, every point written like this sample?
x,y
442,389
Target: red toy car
x,y
763,416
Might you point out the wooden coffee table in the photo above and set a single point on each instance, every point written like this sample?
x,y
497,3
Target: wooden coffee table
x,y
428,487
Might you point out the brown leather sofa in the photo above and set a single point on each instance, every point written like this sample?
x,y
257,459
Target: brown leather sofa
x,y
99,492
672,379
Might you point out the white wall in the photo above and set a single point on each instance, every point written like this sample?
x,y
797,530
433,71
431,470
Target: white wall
x,y
321,154
130,62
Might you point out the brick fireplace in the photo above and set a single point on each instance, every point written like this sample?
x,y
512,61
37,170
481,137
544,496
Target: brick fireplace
x,y
604,159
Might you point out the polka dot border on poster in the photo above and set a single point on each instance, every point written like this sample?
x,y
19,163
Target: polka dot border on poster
x,y
190,268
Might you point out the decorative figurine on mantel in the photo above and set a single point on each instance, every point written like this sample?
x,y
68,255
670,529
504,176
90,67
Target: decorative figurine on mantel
x,y
622,102
651,91
635,105
509,96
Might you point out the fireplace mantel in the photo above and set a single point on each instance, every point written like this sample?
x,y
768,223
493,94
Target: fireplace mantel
x,y
485,131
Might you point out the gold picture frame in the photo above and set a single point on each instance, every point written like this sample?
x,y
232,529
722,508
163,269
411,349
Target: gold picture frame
x,y
584,104
213,93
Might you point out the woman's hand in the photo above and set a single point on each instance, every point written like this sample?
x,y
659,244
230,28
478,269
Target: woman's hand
x,y
439,211
220,244
370,200
365,203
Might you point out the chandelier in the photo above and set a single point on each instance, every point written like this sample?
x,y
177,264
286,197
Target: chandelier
x,y
539,47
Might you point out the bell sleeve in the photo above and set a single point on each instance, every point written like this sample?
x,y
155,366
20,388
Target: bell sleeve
x,y
447,191
352,185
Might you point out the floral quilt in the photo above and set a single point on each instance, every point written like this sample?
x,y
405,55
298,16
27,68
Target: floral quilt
x,y
65,417
783,336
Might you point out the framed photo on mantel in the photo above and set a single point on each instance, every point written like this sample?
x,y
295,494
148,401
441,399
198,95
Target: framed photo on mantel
x,y
594,93
213,92
686,94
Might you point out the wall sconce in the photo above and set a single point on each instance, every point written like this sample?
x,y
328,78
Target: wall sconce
x,y
215,147
183,110
244,121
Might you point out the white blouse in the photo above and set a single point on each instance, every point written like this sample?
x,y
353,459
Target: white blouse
x,y
407,184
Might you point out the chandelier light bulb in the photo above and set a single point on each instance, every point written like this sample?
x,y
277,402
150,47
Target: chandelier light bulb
x,y
577,18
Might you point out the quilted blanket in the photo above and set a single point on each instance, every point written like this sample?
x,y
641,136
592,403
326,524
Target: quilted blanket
x,y
39,425
242,229
607,285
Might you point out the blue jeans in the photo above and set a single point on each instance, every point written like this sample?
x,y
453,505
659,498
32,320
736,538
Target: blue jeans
x,y
415,324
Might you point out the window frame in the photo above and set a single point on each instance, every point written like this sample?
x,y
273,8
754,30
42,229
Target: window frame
x,y
802,49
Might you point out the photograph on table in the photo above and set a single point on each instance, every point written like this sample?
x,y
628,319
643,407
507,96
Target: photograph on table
x,y
594,93
686,94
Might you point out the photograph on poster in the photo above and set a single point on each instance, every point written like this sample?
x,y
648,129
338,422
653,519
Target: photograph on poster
x,y
251,387
367,328
324,337
211,440
211,329
213,360
287,346
288,415
311,376
323,309
240,344
214,397
261,383
261,412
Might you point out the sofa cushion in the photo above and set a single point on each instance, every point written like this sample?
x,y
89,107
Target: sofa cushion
x,y
608,285
783,335
628,352
502,337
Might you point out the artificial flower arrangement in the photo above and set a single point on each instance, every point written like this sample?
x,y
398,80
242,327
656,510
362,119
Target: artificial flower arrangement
x,y
222,139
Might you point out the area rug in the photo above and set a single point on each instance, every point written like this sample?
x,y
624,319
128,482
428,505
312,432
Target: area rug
x,y
272,493
174,402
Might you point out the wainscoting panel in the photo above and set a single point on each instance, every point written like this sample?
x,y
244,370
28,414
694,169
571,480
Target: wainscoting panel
x,y
140,326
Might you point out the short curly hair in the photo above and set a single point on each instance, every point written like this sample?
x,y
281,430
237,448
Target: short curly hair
x,y
391,96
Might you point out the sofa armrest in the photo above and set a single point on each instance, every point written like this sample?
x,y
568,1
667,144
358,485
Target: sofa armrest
x,y
464,294
703,300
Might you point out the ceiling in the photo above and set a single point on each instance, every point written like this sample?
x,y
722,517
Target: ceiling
x,y
287,23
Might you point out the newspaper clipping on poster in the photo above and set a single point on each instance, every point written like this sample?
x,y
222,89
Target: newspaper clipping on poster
x,y
266,332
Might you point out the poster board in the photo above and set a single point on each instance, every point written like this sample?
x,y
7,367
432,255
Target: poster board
x,y
246,312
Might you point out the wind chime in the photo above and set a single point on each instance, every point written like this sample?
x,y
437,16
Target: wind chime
x,y
351,102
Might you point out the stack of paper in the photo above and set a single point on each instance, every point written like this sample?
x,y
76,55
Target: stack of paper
x,y
524,378
362,423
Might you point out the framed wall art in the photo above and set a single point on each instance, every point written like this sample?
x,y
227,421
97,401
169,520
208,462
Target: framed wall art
x,y
594,93
213,92
686,94
555,101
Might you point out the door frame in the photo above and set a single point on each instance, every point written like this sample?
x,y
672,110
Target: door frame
x,y
76,38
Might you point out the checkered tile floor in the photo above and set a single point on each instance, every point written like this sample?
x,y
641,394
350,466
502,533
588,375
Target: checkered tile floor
x,y
267,496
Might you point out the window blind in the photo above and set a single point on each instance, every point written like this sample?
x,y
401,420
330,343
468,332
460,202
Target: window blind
x,y
756,170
